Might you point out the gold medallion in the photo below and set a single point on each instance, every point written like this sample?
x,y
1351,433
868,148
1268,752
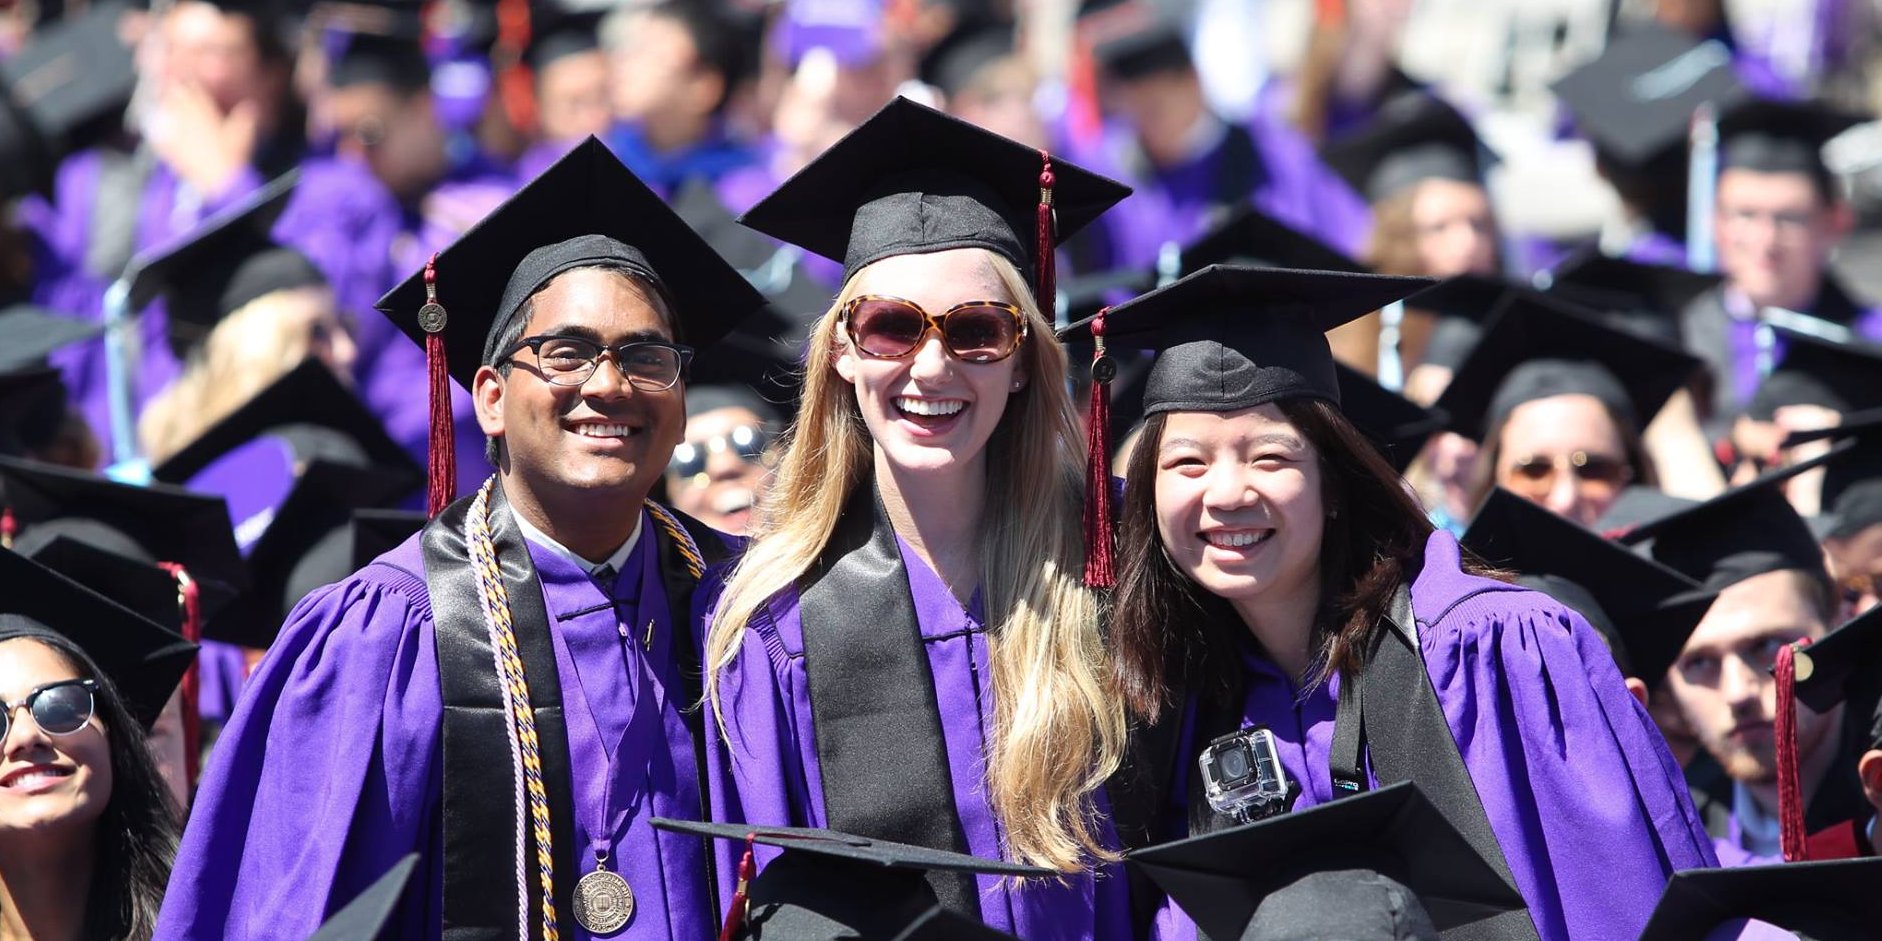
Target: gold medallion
x,y
603,902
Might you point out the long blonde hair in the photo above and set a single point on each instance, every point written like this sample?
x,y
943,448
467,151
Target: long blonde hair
x,y
1058,727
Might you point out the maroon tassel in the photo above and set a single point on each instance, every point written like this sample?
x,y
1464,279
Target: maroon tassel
x,y
9,527
1099,569
441,469
1790,801
1045,274
190,599
735,916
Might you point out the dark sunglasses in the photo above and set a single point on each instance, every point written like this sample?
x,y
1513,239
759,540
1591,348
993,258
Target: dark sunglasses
x,y
689,459
972,332
1536,474
60,708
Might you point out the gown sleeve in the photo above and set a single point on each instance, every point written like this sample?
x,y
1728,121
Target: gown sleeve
x,y
1585,800
325,776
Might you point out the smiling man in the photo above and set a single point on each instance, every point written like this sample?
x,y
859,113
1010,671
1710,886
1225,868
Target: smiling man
x,y
506,692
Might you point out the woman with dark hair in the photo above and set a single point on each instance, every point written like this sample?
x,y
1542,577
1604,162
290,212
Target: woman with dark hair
x,y
87,827
1272,564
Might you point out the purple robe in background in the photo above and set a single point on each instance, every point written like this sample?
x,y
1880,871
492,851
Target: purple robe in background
x,y
1586,802
1720,327
765,770
741,189
330,769
1177,204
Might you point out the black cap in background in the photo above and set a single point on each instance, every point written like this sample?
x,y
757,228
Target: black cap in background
x,y
365,918
1397,426
1250,237
395,62
586,209
1645,610
1636,100
1846,667
1221,879
1463,305
29,334
942,924
1647,298
1851,493
1132,39
1781,136
1821,901
1413,138
1846,377
145,661
32,410
1229,338
827,885
65,90
1536,348
377,532
912,180
558,33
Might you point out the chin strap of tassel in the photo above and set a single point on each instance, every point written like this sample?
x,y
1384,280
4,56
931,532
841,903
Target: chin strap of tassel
x,y
1793,664
441,468
189,598
741,904
1099,570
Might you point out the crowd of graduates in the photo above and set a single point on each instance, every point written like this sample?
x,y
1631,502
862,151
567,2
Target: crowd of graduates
x,y
697,469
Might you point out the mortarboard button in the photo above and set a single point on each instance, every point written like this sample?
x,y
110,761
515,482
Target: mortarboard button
x,y
365,918
145,661
1845,666
1221,878
1413,138
1822,901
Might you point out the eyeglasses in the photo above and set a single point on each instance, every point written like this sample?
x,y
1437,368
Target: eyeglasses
x,y
689,459
57,708
1534,475
972,332
649,365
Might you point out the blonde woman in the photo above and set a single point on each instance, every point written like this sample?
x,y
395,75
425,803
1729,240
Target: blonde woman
x,y
906,650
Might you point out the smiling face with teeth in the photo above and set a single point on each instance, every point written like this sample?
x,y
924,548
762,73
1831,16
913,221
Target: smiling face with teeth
x,y
1239,506
929,411
48,783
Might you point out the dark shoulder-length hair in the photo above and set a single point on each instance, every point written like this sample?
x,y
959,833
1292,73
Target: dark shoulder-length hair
x,y
136,835
1170,637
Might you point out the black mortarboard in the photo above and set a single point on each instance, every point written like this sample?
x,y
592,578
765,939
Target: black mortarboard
x,y
1637,504
1397,426
1536,347
1851,492
1820,901
1249,236
1463,304
1781,136
1221,878
394,61
29,334
558,34
319,418
1644,609
221,266
152,524
912,180
1636,100
1647,298
32,409
945,924
830,885
1745,531
1132,39
138,585
142,659
1816,371
366,916
961,59
1413,138
67,87
1846,666
1230,338
376,532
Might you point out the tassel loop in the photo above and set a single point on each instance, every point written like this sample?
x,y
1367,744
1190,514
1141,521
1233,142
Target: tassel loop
x,y
189,600
9,527
736,916
1791,662
441,465
1100,570
1045,266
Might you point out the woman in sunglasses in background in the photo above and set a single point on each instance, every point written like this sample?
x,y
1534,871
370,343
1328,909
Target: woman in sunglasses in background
x,y
718,474
87,827
906,650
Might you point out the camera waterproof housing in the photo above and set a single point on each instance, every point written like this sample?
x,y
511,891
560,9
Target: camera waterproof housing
x,y
1242,775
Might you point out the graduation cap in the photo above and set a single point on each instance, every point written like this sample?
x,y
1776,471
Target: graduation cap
x,y
29,334
135,584
158,523
1820,901
378,531
365,918
32,409
1463,304
221,266
911,180
1413,138
1646,297
1746,531
66,88
392,60
319,418
1645,610
1132,39
959,62
1636,100
1851,492
1222,879
1816,371
944,924
1398,426
830,885
145,661
1536,347
1846,666
586,209
559,33
1230,338
1769,136
1248,236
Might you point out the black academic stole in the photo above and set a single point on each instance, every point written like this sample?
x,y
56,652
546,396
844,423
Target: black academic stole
x,y
480,815
872,698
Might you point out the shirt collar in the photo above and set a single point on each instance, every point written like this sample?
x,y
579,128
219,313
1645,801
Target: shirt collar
x,y
614,561
1758,831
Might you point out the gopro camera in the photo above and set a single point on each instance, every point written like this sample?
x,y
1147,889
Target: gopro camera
x,y
1242,775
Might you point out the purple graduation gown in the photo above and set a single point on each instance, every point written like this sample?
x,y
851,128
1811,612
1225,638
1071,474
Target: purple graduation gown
x,y
1586,802
329,770
764,766
1717,331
